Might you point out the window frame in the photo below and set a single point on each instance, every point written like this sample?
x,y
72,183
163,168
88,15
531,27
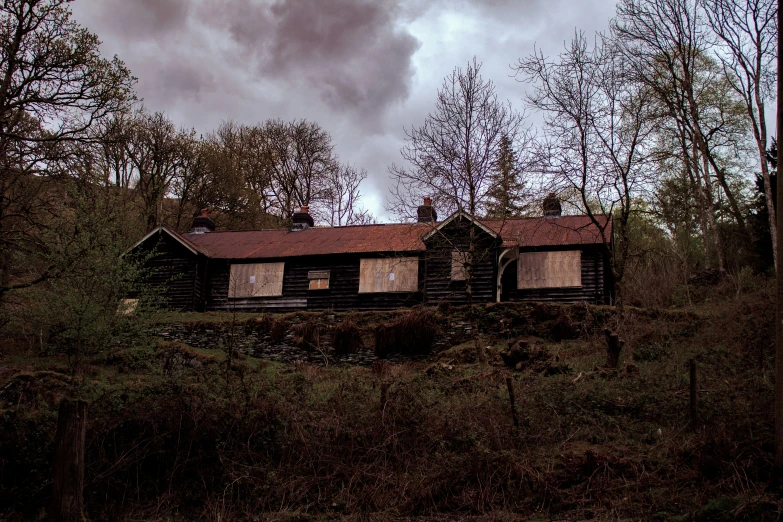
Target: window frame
x,y
319,276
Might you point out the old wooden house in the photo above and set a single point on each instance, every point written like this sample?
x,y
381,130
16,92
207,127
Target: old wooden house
x,y
458,260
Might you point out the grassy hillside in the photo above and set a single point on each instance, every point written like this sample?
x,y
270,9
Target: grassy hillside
x,y
173,435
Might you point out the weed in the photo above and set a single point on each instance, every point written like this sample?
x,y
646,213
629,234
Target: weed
x,y
347,338
413,333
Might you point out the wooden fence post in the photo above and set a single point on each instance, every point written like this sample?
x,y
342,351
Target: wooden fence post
x,y
694,393
614,346
510,386
68,480
384,393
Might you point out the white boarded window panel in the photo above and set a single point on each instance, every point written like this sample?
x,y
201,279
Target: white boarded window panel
x,y
458,270
395,274
549,269
256,280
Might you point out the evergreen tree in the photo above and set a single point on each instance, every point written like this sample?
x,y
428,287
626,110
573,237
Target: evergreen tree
x,y
506,197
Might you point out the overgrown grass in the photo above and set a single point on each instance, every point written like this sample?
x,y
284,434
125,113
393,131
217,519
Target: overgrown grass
x,y
171,435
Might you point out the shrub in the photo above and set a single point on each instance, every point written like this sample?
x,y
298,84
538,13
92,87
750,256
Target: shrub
x,y
563,328
307,335
413,333
265,323
278,330
347,338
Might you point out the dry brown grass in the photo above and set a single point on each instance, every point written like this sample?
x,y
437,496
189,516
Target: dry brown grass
x,y
397,441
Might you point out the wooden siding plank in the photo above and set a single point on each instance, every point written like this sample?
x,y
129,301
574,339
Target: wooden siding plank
x,y
438,284
173,270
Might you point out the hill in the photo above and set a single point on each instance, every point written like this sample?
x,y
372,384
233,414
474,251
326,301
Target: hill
x,y
175,433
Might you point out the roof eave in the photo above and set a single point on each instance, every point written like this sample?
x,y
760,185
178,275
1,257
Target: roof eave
x,y
162,228
455,215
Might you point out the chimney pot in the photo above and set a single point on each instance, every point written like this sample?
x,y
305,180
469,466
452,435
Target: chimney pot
x,y
302,219
552,206
426,213
202,224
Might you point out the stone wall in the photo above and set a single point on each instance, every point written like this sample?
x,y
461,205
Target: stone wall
x,y
275,337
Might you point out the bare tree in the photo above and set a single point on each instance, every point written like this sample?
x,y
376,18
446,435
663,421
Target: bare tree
x,y
229,173
54,86
452,156
159,153
596,125
747,31
300,158
341,197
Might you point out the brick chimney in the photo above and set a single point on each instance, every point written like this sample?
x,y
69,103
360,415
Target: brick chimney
x,y
302,219
426,213
202,224
552,206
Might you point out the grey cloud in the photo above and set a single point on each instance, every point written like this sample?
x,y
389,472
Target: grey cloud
x,y
350,52
143,18
353,66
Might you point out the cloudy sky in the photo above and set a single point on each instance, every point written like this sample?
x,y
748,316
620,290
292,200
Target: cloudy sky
x,y
363,69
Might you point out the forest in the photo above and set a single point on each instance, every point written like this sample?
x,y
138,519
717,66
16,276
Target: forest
x,y
662,121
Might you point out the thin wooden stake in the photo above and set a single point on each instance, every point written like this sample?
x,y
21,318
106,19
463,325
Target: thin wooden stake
x,y
68,480
510,386
694,393
384,391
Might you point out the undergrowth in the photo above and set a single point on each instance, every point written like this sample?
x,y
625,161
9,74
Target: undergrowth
x,y
172,436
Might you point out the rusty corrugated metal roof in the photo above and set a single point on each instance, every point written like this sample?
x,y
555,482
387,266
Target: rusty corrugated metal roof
x,y
311,241
552,231
267,244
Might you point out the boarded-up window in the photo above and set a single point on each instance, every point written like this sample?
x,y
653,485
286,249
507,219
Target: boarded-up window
x,y
127,306
319,279
459,260
256,280
395,274
549,269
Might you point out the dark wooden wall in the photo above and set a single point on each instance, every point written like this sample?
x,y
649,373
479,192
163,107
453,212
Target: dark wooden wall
x,y
595,287
193,282
173,268
437,259
342,294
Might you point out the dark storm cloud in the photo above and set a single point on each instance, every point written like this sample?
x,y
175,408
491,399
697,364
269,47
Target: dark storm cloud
x,y
362,69
351,53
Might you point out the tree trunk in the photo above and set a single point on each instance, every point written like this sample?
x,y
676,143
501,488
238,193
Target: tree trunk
x,y
68,481
773,228
710,201
779,273
760,133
